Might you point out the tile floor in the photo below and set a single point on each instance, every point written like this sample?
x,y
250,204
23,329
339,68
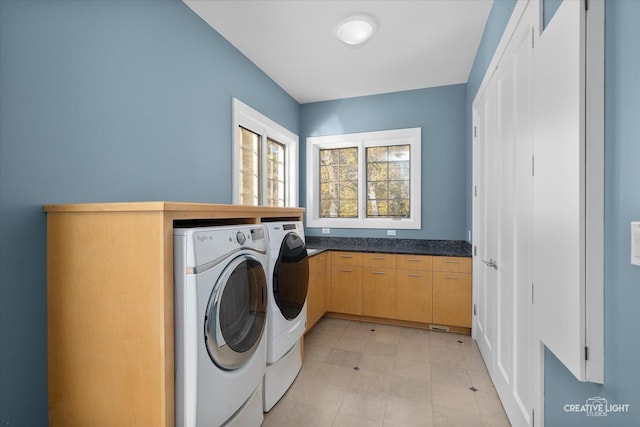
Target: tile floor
x,y
364,374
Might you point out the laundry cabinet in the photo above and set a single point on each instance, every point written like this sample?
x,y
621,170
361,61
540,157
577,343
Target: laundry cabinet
x,y
416,290
110,306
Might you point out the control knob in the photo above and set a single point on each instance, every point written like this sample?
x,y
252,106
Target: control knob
x,y
240,237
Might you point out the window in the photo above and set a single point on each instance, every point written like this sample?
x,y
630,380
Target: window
x,y
265,159
364,180
276,177
388,181
249,167
339,183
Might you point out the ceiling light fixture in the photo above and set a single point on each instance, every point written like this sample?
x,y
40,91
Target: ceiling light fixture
x,y
356,30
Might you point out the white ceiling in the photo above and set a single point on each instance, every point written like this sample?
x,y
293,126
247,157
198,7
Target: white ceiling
x,y
419,43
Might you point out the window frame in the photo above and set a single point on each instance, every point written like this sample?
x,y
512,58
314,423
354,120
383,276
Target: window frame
x,y
363,140
250,119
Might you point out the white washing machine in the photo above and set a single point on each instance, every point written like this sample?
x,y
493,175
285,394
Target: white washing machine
x,y
220,322
288,274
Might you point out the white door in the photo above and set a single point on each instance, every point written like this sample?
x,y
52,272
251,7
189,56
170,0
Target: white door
x,y
486,224
525,370
502,213
514,369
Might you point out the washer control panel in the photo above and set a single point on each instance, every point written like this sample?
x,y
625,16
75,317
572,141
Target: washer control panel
x,y
210,243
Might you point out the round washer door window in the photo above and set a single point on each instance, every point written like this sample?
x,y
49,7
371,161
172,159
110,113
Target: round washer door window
x,y
236,313
291,276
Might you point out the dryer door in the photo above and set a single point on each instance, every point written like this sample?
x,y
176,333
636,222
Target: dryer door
x,y
236,313
291,276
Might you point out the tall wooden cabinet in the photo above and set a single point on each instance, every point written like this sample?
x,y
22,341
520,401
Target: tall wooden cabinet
x,y
110,306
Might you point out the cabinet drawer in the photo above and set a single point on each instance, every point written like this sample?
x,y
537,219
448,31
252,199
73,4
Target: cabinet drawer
x,y
415,262
346,258
452,264
320,258
379,260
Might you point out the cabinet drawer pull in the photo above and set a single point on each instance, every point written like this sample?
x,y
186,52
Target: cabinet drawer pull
x,y
377,257
452,277
452,262
414,259
377,272
346,271
346,256
414,275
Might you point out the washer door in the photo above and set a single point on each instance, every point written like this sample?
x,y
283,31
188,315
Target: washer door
x,y
236,313
291,276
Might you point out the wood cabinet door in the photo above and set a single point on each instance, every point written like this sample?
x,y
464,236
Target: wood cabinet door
x,y
346,289
379,292
317,293
452,299
414,296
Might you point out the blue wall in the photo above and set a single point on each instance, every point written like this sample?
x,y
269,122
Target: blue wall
x,y
622,205
440,112
103,101
549,8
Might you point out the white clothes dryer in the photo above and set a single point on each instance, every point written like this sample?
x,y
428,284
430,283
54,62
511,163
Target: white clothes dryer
x,y
288,275
220,321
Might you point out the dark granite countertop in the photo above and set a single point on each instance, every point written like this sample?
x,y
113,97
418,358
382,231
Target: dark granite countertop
x,y
393,246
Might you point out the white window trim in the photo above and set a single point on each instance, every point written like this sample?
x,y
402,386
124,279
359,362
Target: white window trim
x,y
250,119
411,136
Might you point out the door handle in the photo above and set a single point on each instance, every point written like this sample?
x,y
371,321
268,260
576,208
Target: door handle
x,y
491,263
